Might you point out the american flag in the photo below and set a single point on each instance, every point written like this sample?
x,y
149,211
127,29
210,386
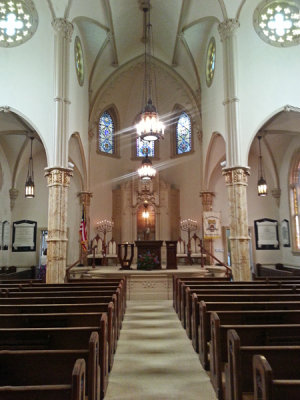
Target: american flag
x,y
82,232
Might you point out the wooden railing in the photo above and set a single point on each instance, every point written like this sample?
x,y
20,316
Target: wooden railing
x,y
67,277
203,250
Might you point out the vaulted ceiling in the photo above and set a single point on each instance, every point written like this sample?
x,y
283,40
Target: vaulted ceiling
x,y
181,29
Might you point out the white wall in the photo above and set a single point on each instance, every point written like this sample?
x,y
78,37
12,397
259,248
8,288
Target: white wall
x,y
268,78
27,86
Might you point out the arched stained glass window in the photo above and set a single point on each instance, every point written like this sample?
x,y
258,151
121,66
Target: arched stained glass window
x,y
142,146
295,202
183,134
106,134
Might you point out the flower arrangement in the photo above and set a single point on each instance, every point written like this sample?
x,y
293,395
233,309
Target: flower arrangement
x,y
147,261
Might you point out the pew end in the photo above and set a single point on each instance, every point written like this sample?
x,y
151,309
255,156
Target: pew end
x,y
262,378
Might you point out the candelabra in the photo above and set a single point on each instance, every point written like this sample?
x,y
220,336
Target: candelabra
x,y
104,227
188,225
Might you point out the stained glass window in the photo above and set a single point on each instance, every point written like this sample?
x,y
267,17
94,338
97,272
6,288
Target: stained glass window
x,y
210,61
278,22
295,201
18,22
106,134
142,146
183,134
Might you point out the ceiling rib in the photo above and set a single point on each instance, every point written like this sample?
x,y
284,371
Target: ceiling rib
x,y
105,43
190,55
115,62
179,31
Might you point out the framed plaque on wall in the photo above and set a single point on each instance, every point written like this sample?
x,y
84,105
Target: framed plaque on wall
x,y
266,234
24,235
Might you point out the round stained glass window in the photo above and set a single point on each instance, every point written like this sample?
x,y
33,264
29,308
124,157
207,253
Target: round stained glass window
x,y
18,22
210,61
278,22
79,65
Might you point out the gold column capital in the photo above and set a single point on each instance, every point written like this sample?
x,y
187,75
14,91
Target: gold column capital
x,y
58,176
207,199
85,197
236,175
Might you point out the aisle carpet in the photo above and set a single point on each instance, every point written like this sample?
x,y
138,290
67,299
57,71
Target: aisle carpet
x,y
155,359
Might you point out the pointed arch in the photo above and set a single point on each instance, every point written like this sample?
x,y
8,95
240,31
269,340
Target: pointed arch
x,y
216,151
83,172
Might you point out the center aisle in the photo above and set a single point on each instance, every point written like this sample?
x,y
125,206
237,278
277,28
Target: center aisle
x,y
155,360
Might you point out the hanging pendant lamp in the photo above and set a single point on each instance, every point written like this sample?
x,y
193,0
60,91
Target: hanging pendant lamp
x,y
29,185
149,127
146,171
262,187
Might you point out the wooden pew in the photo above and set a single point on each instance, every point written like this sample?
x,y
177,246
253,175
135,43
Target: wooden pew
x,y
186,310
268,388
74,390
205,310
106,295
189,291
229,298
63,338
113,317
177,281
57,320
263,335
239,376
50,367
119,290
181,286
93,281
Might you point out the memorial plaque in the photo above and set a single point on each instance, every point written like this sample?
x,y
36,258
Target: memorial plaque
x,y
266,234
24,236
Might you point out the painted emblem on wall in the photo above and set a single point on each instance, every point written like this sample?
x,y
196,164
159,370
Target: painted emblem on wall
x,y
79,62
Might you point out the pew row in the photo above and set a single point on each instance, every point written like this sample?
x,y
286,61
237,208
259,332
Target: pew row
x,y
75,390
28,367
239,376
63,338
250,335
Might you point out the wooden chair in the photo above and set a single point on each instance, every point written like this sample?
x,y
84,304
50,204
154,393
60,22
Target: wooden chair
x,y
96,251
180,250
112,250
196,252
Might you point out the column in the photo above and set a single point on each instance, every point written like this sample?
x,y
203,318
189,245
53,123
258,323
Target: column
x,y
58,174
236,175
58,183
237,181
207,202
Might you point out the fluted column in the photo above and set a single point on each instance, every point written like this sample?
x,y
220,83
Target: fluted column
x,y
237,181
63,31
236,175
58,174
227,31
58,182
